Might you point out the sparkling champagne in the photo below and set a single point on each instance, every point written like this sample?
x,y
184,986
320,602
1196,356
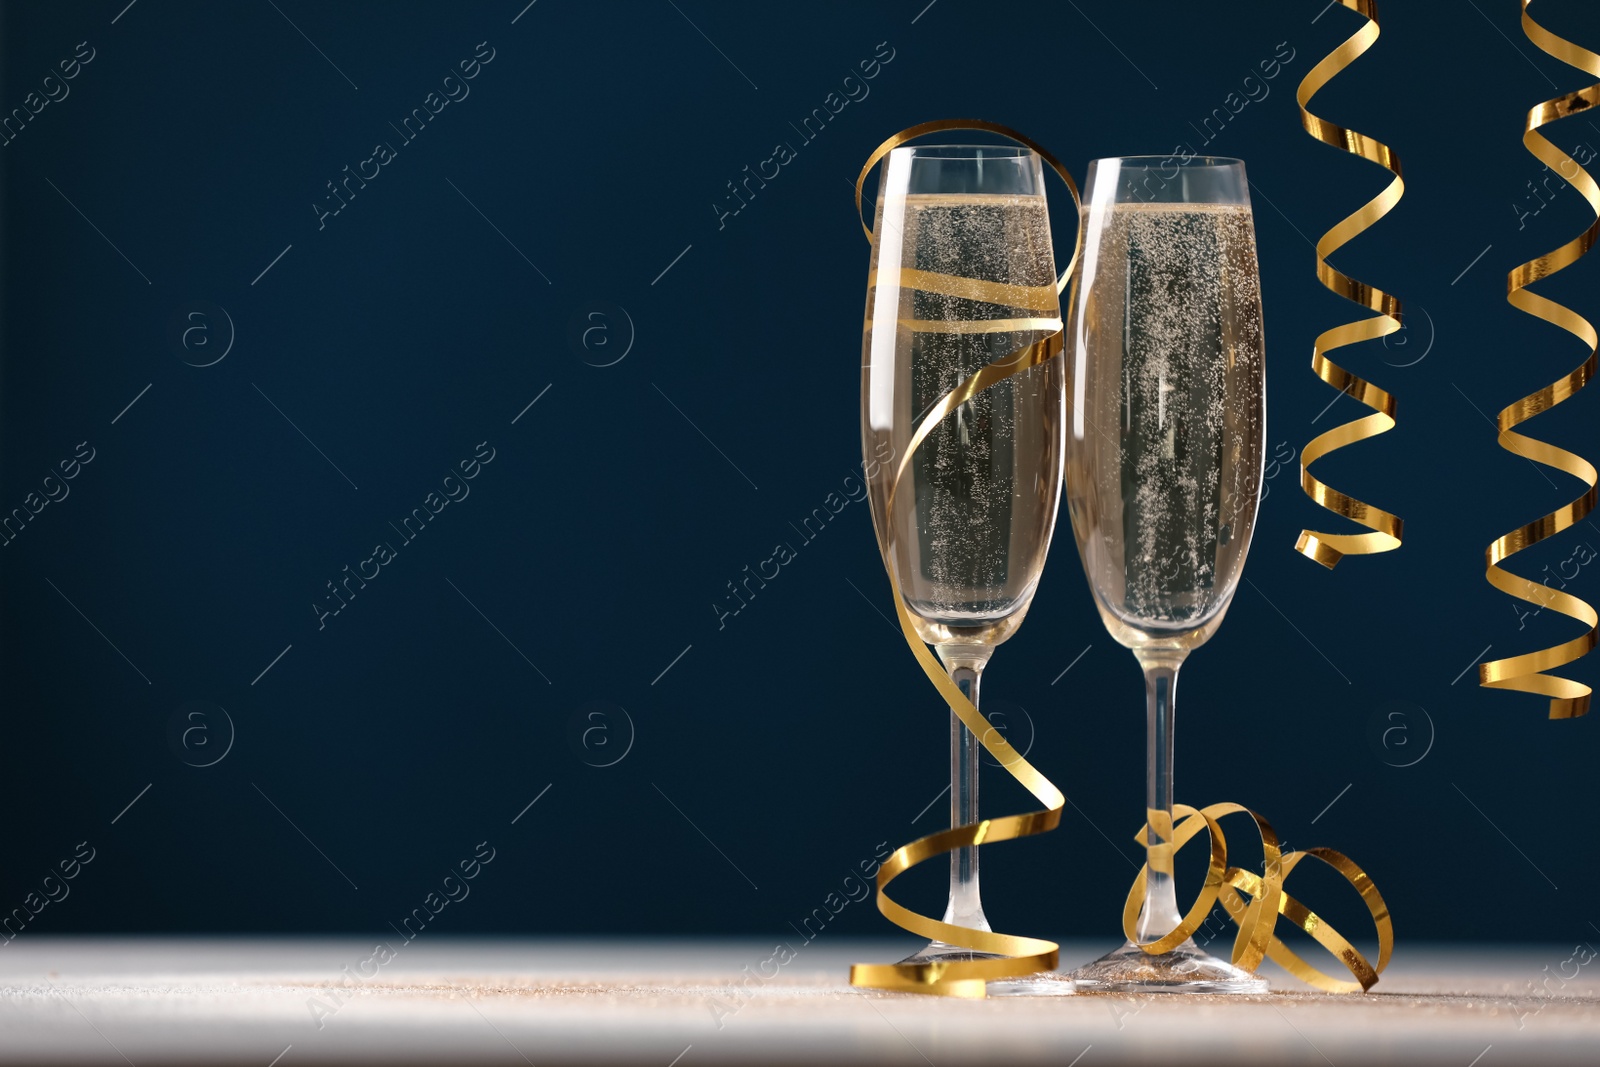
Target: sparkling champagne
x,y
972,520
1164,454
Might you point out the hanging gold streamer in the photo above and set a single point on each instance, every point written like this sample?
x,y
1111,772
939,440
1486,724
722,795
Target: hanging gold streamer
x,y
1021,955
1258,919
1525,673
1328,548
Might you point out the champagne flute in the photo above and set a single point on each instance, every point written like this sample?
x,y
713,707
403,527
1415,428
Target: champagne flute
x,y
1164,459
963,275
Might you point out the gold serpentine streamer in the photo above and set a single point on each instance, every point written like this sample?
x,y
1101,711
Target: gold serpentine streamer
x,y
1020,955
1525,673
1258,919
1328,548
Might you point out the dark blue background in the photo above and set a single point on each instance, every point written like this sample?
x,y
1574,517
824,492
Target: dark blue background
x,y
379,750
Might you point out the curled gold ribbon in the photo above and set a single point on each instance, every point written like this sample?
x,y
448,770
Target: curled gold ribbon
x,y
1268,901
1020,955
1525,673
1328,548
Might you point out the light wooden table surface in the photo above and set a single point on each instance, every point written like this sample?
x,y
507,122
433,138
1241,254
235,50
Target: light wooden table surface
x,y
147,1001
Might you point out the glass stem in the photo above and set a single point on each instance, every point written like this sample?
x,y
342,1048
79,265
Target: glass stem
x,y
966,907
1160,915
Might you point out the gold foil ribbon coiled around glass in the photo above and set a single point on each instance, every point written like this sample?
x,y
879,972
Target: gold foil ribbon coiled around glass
x,y
1525,673
1258,919
1021,955
1328,548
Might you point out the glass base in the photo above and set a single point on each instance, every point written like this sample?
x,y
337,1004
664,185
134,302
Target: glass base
x,y
1186,969
1044,984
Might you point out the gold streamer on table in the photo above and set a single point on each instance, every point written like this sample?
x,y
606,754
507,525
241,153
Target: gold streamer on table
x,y
1257,920
1525,673
1328,548
1028,955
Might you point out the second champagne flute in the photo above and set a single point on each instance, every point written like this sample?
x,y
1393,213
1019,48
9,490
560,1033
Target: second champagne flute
x,y
1164,452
